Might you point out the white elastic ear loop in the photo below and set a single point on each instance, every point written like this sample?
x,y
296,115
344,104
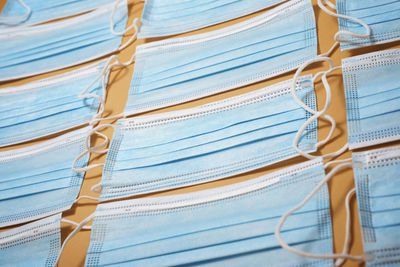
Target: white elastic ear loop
x,y
72,234
316,114
336,162
88,227
83,94
300,205
346,246
86,197
96,188
133,26
93,149
17,19
344,32
330,4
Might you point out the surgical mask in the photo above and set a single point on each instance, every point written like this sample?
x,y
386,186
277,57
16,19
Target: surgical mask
x,y
27,51
49,105
34,244
228,226
378,194
30,12
206,143
365,23
178,70
372,105
160,18
37,181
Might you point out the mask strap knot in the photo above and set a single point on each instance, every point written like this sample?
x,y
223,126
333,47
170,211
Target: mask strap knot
x,y
300,205
79,226
17,19
338,35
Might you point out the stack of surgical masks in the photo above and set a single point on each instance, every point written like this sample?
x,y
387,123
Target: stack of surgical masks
x,y
282,218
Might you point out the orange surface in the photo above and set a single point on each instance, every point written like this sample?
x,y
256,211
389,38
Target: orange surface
x,y
74,254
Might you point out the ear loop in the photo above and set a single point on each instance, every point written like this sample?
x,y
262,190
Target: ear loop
x,y
112,62
346,246
337,36
132,26
79,226
17,19
284,217
316,114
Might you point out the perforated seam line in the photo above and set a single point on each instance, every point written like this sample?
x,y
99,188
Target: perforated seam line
x,y
278,176
135,125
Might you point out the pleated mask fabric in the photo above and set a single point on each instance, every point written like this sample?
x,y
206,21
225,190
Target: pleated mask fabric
x,y
44,11
162,18
378,195
372,104
48,106
383,17
27,51
38,181
227,226
178,70
33,244
206,143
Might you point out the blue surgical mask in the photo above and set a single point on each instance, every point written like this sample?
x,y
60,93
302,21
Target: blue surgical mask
x,y
48,106
378,196
228,226
372,105
34,244
161,18
27,51
178,70
383,18
206,143
37,181
38,11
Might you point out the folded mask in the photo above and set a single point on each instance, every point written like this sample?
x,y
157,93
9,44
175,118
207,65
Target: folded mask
x,y
209,142
27,51
178,70
37,181
372,88
228,226
34,244
49,105
383,18
378,195
36,11
161,18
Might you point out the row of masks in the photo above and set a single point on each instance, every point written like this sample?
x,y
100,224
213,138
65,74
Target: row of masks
x,y
231,225
232,136
160,18
189,68
181,148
